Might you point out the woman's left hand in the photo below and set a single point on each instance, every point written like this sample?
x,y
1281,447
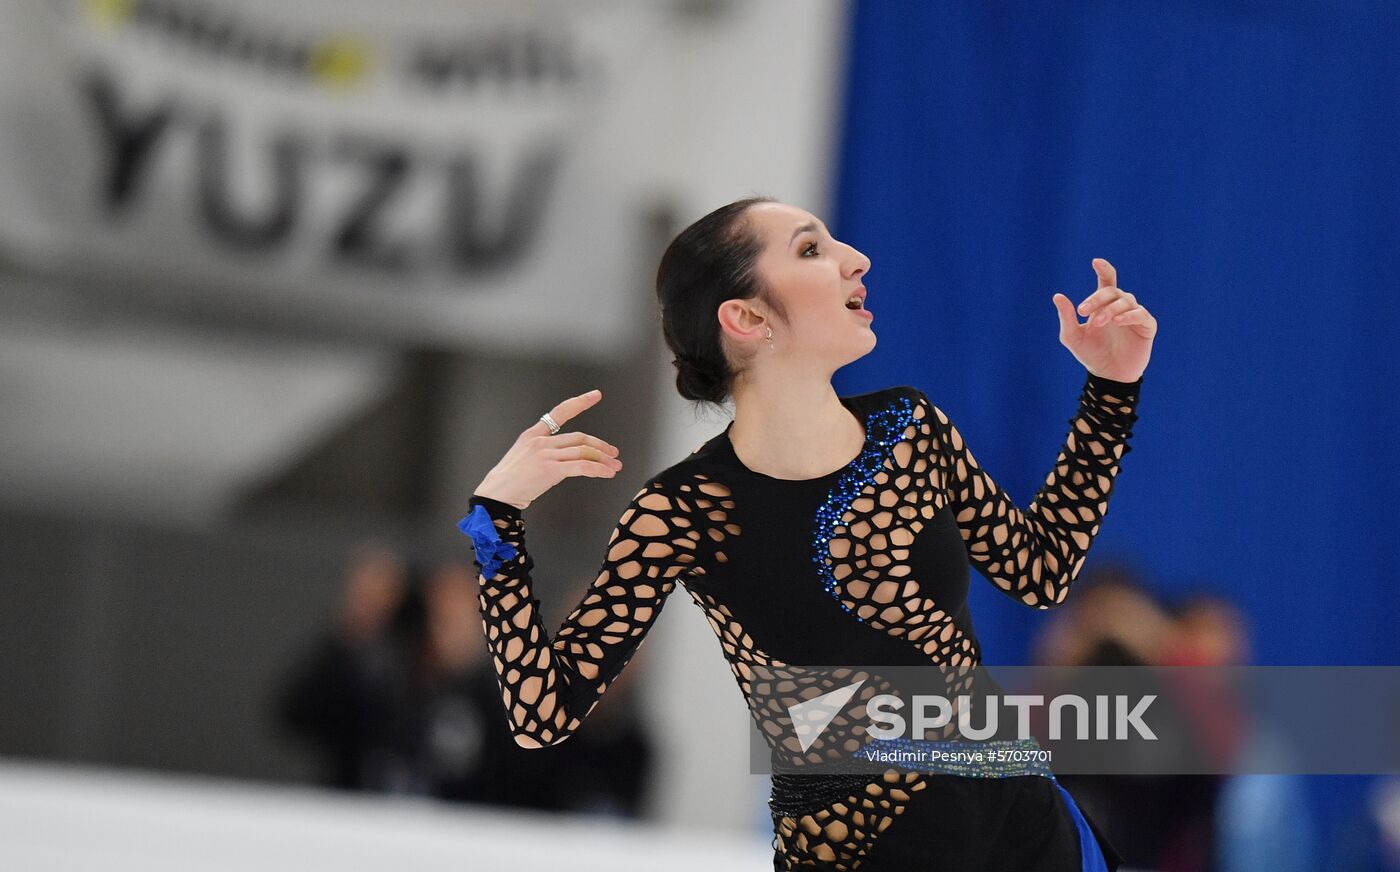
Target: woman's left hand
x,y
1116,342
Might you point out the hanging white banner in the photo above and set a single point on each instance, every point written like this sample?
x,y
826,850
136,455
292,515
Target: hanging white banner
x,y
436,171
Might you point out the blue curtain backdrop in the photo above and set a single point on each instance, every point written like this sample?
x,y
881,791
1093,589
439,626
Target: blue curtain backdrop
x,y
1237,162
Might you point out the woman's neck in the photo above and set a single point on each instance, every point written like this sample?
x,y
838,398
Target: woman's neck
x,y
794,431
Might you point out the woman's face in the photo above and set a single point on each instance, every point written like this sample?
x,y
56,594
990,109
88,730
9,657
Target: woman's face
x,y
813,276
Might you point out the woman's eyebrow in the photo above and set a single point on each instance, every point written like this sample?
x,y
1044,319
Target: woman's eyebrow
x,y
810,225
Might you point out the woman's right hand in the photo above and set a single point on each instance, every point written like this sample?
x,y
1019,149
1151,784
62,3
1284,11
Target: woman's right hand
x,y
538,461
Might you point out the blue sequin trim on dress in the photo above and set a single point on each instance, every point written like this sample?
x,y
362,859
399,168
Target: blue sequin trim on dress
x,y
884,428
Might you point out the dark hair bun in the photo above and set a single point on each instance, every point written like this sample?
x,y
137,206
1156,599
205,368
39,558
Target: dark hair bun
x,y
707,263
695,381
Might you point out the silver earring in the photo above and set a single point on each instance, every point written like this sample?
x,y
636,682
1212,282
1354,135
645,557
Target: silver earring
x,y
770,339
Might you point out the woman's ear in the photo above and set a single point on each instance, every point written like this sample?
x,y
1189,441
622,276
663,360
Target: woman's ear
x,y
741,322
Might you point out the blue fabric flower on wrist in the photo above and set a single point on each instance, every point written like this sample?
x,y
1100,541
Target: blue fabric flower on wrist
x,y
491,552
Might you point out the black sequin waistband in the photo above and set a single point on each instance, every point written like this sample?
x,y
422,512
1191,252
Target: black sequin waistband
x,y
796,795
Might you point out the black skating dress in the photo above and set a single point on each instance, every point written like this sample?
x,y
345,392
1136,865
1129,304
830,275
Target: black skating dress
x,y
867,565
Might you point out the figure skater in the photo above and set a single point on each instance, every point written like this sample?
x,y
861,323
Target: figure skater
x,y
817,529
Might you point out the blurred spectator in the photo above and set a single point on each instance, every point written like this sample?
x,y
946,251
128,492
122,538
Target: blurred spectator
x,y
338,696
1108,610
1159,822
1187,822
1263,821
401,697
1209,630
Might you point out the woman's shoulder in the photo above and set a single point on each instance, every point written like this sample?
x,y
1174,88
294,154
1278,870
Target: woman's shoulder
x,y
901,401
888,395
695,473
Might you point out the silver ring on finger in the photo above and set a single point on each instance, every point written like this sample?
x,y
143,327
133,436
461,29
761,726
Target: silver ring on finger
x,y
553,427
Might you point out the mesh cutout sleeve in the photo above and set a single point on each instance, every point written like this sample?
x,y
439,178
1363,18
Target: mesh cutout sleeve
x,y
549,685
1034,556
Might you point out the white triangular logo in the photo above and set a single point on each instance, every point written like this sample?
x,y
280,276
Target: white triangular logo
x,y
811,717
